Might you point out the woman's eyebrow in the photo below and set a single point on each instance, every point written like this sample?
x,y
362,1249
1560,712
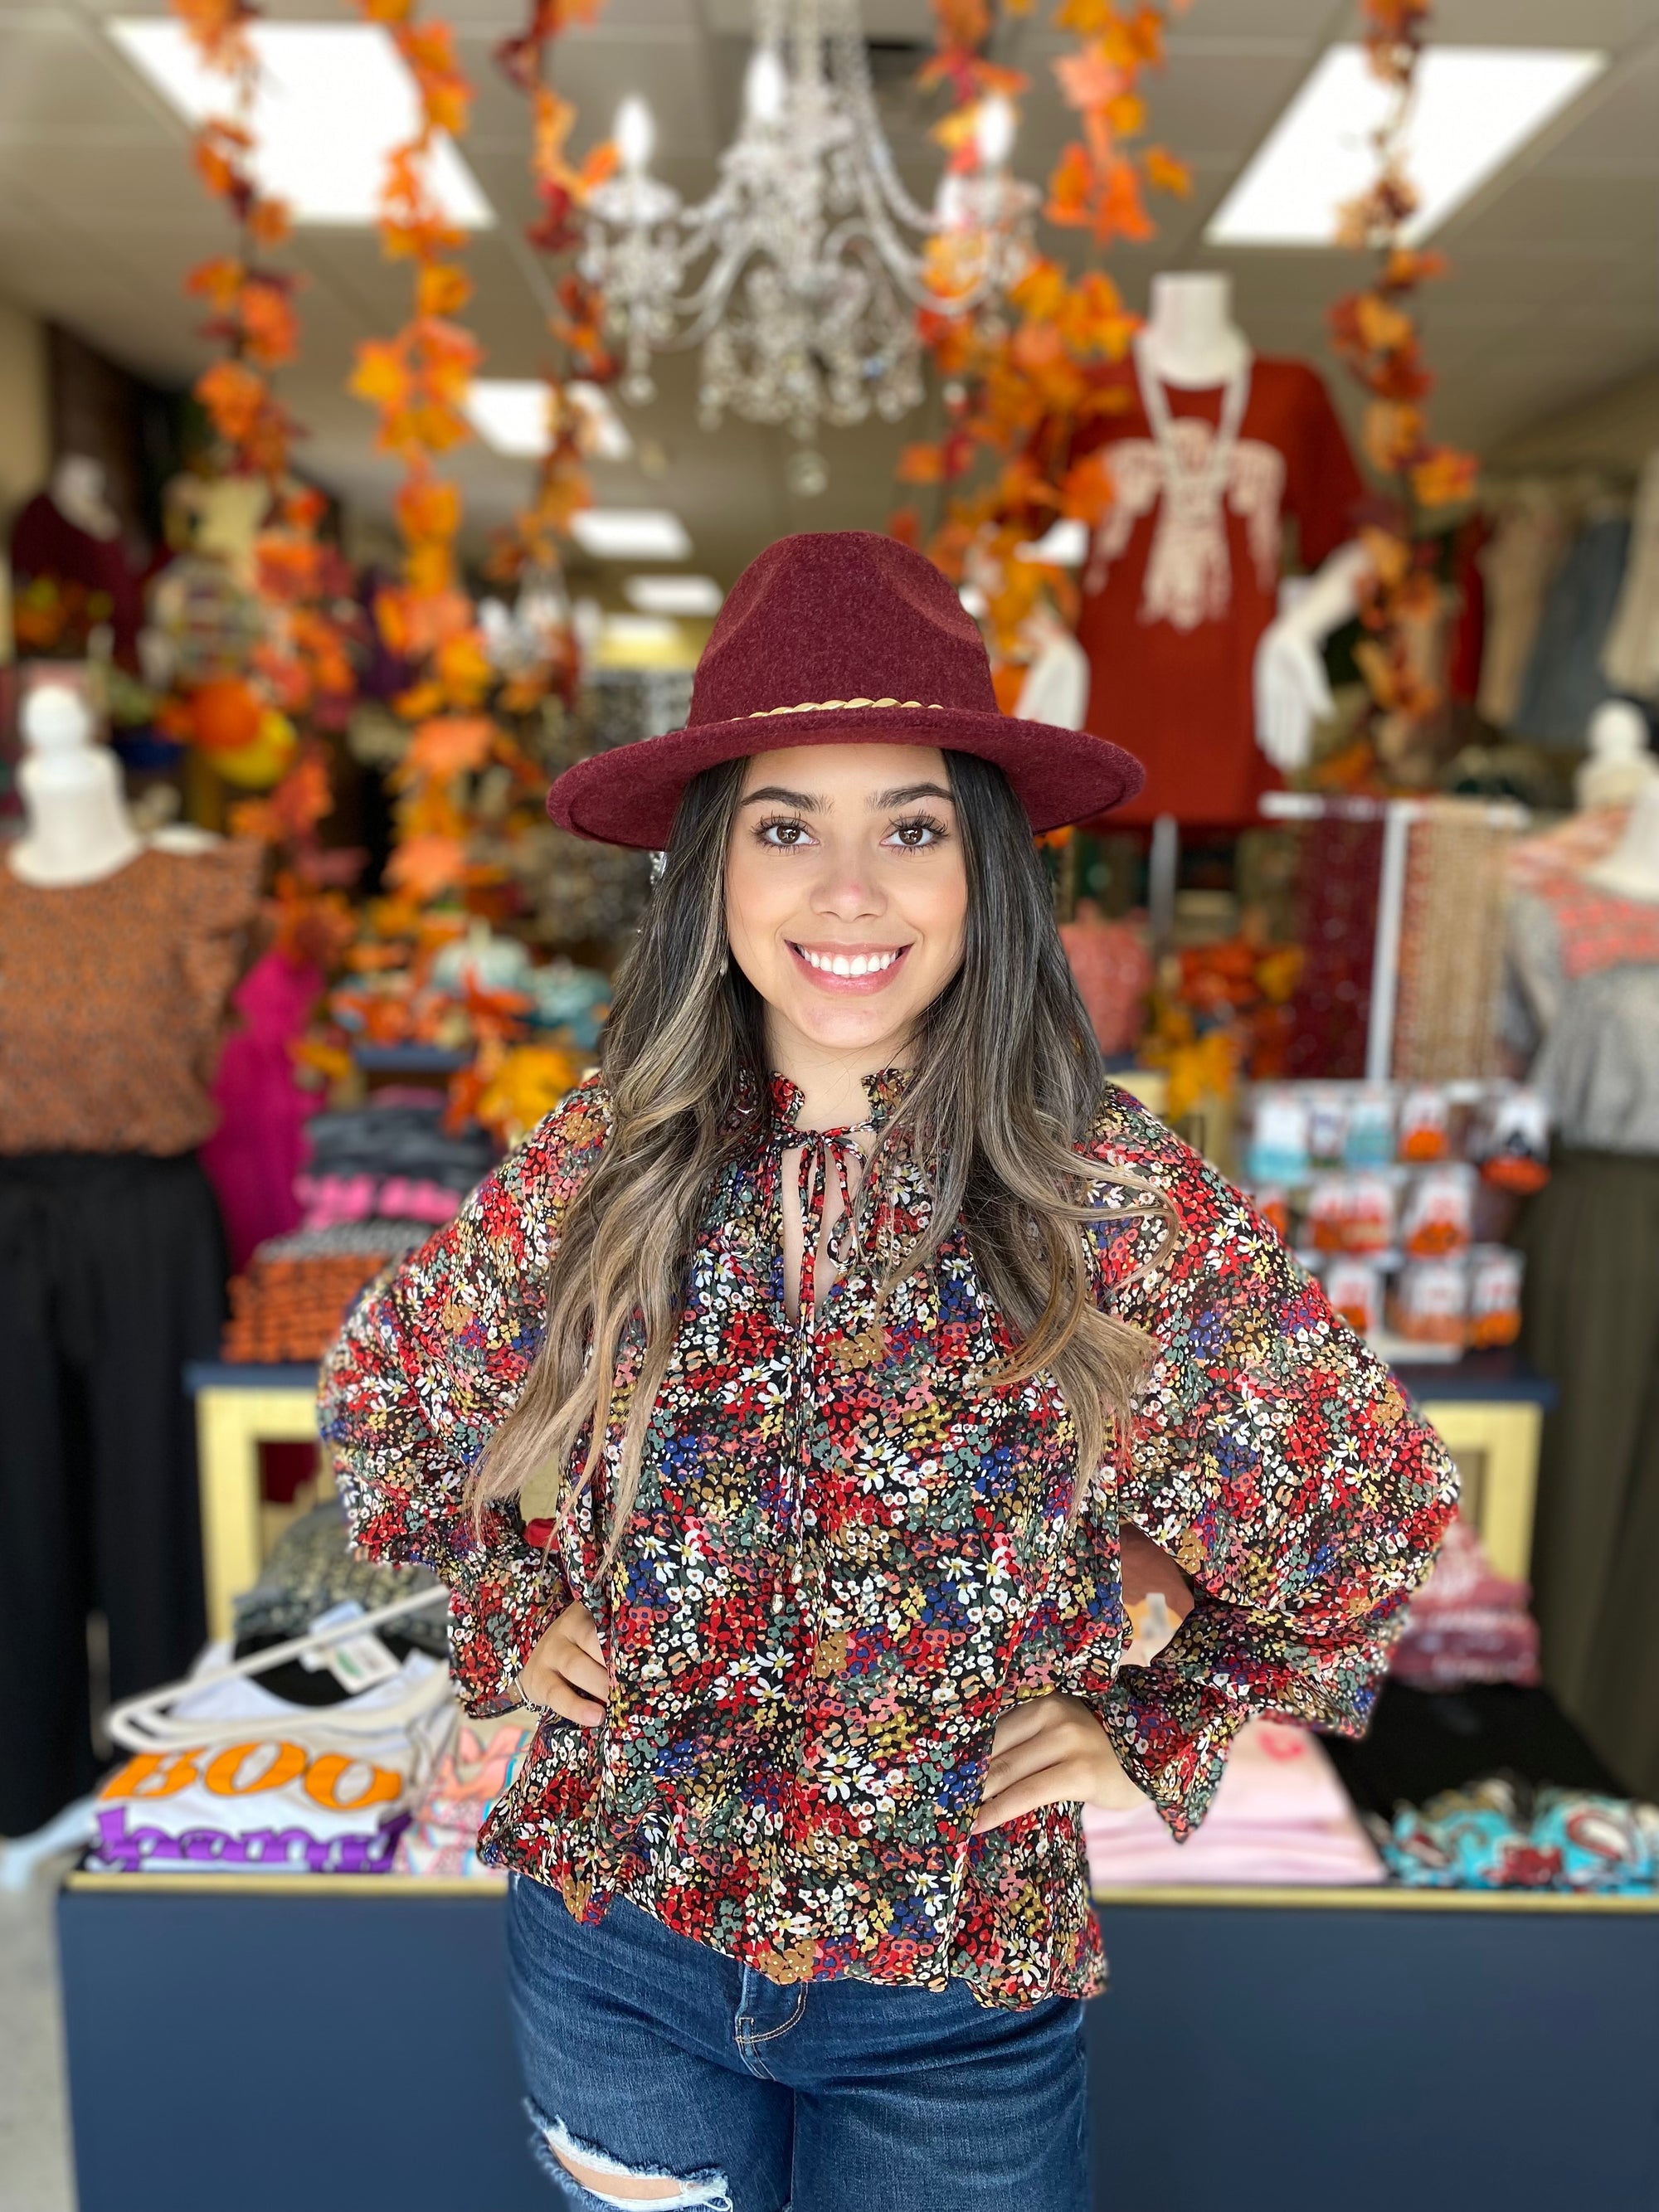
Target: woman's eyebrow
x,y
804,802
907,791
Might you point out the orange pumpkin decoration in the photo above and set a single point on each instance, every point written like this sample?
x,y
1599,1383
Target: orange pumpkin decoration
x,y
225,715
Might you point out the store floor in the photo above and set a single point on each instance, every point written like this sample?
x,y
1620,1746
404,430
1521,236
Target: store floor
x,y
35,2173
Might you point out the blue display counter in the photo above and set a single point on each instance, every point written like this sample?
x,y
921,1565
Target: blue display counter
x,y
252,2045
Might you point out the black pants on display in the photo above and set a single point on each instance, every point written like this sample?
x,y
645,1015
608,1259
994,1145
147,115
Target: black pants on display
x,y
111,1277
1592,1326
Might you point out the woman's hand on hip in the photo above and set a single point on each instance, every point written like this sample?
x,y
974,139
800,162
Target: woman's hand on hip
x,y
567,1672
1051,1751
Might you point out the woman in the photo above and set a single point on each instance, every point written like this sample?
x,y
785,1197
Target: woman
x,y
772,1415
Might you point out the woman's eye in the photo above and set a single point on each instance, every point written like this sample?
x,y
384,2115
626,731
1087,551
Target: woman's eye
x,y
917,836
784,834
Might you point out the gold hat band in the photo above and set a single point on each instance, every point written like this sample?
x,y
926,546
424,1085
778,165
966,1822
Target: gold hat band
x,y
823,705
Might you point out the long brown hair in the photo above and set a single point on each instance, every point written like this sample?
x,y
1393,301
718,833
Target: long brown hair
x,y
1004,1083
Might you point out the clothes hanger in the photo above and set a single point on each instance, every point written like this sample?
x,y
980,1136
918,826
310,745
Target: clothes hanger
x,y
143,1723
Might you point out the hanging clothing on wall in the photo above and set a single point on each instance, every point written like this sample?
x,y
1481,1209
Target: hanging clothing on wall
x,y
1529,539
65,582
1184,576
1451,945
1565,683
112,1279
1338,877
1630,656
1582,1000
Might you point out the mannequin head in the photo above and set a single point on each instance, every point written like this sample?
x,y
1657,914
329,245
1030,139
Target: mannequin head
x,y
80,491
1190,337
1620,764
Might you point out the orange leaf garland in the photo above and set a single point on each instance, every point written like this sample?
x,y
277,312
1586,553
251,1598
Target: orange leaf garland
x,y
1375,332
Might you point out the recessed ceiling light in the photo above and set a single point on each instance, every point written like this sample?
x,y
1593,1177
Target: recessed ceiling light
x,y
638,632
631,533
1064,543
674,595
332,101
1475,107
509,413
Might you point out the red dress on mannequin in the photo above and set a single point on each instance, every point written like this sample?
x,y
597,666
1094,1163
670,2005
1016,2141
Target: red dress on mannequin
x,y
1183,574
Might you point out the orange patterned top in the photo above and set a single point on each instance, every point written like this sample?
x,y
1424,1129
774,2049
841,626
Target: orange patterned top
x,y
113,1001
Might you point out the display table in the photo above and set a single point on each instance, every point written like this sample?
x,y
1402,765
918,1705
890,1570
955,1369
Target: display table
x,y
1488,1408
255,2044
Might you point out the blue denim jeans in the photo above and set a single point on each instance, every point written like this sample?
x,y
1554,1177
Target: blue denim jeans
x,y
647,2054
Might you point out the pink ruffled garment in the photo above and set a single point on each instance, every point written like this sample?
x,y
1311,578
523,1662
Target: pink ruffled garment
x,y
1280,1816
259,1146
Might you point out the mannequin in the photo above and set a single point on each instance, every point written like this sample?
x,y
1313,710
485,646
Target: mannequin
x,y
116,957
80,492
78,826
67,542
1630,871
1619,766
1191,341
1056,686
1200,664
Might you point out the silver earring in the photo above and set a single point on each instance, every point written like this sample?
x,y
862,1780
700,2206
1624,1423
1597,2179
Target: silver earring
x,y
725,962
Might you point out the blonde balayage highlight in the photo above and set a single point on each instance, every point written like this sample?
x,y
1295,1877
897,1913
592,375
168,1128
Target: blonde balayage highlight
x,y
1005,1084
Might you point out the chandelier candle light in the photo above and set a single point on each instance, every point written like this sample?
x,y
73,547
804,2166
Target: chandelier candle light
x,y
800,274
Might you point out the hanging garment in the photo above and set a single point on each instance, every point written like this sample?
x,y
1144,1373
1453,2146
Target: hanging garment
x,y
1183,578
1591,1305
1528,542
1468,640
1451,945
254,1155
113,999
111,1277
1565,683
1630,656
1581,1004
1339,874
65,582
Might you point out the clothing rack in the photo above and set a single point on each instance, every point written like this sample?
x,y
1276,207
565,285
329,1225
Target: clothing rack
x,y
1397,816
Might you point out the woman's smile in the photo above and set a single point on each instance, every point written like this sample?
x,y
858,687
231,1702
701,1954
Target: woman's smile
x,y
849,968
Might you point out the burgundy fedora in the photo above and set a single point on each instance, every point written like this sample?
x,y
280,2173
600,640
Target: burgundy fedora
x,y
840,637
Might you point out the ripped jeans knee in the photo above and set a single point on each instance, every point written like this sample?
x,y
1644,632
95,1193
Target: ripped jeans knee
x,y
588,2174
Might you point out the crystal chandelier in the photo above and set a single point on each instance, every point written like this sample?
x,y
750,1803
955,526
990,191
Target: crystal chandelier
x,y
799,275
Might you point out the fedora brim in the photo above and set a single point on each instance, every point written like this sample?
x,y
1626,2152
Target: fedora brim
x,y
628,796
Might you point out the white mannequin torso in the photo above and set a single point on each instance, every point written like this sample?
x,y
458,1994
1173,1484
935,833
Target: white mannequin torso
x,y
79,831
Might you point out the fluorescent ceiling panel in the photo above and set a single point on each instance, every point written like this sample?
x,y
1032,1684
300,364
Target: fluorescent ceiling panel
x,y
509,413
333,100
631,533
1476,107
674,595
646,632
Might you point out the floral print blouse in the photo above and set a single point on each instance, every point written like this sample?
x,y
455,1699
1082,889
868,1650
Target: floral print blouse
x,y
844,1563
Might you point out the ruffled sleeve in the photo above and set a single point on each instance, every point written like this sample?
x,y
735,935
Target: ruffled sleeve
x,y
1276,1459
434,1354
215,895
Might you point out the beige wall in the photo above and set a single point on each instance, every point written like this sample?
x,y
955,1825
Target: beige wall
x,y
1617,430
25,429
25,432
